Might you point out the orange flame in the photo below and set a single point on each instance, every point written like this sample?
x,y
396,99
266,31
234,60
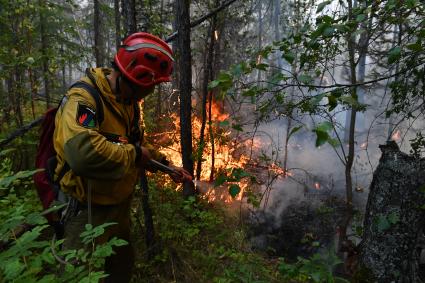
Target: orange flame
x,y
227,154
317,186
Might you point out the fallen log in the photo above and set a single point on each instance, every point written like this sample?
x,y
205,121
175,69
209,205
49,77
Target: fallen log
x,y
394,219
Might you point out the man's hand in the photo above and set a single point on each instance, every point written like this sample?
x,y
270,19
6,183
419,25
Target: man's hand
x,y
180,175
145,156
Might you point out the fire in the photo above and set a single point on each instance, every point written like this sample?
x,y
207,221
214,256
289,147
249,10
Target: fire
x,y
396,136
216,113
363,145
317,186
228,153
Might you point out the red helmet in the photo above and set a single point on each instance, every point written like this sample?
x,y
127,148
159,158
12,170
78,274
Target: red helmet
x,y
145,59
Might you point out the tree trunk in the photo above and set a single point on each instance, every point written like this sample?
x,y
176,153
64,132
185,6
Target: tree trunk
x,y
394,219
185,85
207,78
98,46
129,16
117,24
45,59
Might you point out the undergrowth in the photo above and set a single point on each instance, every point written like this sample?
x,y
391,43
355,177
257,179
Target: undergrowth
x,y
196,242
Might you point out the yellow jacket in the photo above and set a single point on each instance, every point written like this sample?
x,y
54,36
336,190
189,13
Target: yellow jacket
x,y
108,167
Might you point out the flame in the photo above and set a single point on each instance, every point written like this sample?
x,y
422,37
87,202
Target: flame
x,y
363,145
396,136
216,113
229,153
317,186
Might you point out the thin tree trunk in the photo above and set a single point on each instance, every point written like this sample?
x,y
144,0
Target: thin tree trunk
x,y
117,24
129,16
185,70
45,59
18,97
210,103
207,78
98,46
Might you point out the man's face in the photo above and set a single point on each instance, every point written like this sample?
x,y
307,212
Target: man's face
x,y
134,91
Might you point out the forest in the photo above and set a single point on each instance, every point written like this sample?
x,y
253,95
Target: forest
x,y
301,122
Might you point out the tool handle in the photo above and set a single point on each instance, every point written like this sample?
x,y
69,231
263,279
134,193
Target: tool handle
x,y
161,167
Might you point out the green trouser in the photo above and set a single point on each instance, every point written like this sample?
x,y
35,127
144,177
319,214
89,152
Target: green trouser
x,y
119,266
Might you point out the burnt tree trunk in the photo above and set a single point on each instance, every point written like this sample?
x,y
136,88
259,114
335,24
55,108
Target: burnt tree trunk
x,y
394,218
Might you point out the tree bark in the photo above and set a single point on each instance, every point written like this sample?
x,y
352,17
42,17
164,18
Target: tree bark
x,y
129,16
394,218
185,70
97,36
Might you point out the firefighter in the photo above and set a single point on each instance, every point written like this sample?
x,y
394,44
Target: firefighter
x,y
103,159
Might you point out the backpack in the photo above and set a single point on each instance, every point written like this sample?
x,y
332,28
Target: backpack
x,y
47,186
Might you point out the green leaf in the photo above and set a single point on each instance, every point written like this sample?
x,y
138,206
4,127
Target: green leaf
x,y
328,32
239,173
262,66
321,138
360,18
322,135
322,5
349,100
305,79
213,84
324,126
7,181
332,102
224,123
416,47
289,57
294,130
394,54
13,268
234,190
220,180
237,127
6,151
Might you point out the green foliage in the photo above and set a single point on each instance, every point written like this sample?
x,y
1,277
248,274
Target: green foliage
x,y
318,269
322,134
25,252
418,145
233,176
199,243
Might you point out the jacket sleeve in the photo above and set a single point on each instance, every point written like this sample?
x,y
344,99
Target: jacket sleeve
x,y
88,153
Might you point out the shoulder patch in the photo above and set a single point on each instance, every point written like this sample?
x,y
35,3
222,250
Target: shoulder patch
x,y
86,116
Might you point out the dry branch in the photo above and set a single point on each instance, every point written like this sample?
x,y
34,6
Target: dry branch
x,y
201,19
